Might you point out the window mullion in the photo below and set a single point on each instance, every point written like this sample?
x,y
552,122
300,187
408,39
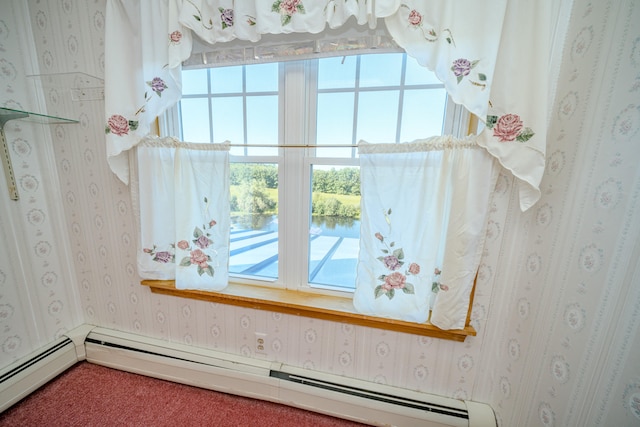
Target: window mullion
x,y
292,208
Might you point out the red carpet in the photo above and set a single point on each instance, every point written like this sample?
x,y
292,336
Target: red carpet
x,y
92,395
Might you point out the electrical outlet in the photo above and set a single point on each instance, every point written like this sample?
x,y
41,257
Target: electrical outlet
x,y
261,343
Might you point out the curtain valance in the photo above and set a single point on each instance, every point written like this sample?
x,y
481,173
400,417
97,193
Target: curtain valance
x,y
491,56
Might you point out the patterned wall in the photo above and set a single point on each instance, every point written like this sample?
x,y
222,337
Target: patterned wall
x,y
556,311
567,355
38,299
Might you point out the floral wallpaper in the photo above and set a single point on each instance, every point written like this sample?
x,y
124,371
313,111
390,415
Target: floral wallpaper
x,y
557,306
38,302
569,347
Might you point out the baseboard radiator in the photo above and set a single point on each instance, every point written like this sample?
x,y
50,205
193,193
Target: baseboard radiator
x,y
25,375
348,398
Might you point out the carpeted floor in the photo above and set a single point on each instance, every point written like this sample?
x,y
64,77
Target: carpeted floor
x,y
92,395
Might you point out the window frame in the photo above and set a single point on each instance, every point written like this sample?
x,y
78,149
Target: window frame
x,y
287,294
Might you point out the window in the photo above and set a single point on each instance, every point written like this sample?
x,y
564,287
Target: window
x,y
294,128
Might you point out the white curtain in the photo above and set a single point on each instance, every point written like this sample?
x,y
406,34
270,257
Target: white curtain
x,y
423,211
491,55
182,196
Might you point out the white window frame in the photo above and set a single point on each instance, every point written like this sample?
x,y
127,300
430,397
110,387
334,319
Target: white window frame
x,y
293,239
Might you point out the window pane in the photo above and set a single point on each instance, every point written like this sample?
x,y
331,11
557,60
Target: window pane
x,y
335,123
377,116
335,227
226,80
195,120
262,77
380,70
416,74
262,123
194,82
422,114
338,72
254,220
227,119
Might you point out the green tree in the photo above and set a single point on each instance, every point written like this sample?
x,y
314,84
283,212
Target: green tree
x,y
253,198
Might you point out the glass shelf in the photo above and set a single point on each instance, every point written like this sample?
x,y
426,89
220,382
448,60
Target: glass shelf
x,y
82,86
7,114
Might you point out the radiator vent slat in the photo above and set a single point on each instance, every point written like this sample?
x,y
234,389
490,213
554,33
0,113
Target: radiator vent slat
x,y
32,361
373,395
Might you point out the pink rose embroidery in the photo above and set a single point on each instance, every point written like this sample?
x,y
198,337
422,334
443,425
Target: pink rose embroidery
x,y
199,258
286,9
509,127
415,18
175,37
414,268
392,259
118,125
289,7
202,239
395,280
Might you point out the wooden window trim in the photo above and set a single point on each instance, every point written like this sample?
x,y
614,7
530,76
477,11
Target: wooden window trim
x,y
323,307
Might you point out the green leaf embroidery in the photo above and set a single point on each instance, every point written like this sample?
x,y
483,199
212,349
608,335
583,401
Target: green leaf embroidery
x,y
186,262
491,121
408,288
378,291
208,270
482,77
525,135
435,287
197,232
399,253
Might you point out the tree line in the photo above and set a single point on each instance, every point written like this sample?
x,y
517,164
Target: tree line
x,y
254,179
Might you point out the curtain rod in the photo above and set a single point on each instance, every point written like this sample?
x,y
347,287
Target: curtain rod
x,y
295,145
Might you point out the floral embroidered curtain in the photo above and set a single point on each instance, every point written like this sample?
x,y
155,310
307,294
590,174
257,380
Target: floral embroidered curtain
x,y
491,55
182,196
423,214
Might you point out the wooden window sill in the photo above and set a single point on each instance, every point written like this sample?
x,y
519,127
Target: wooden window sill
x,y
305,304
